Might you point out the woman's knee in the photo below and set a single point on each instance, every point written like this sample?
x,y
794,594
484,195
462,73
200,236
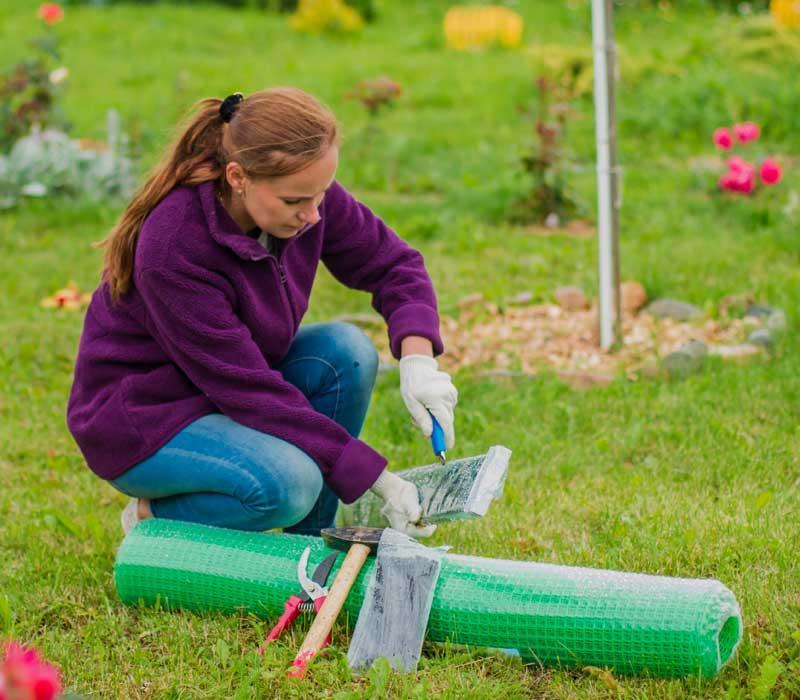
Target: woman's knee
x,y
281,503
300,502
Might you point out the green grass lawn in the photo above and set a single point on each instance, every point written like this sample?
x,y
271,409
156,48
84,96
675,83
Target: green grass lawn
x,y
699,478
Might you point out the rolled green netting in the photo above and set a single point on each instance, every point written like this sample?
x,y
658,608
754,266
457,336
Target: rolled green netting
x,y
554,615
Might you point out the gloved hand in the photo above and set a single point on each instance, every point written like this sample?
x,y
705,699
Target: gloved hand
x,y
424,388
401,504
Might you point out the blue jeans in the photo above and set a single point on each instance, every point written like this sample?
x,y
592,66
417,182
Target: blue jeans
x,y
219,472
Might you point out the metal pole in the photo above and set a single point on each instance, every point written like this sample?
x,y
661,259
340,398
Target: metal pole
x,y
605,129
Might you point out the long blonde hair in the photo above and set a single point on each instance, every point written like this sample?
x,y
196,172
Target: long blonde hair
x,y
272,132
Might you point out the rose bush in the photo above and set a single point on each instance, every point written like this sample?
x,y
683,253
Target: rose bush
x,y
741,174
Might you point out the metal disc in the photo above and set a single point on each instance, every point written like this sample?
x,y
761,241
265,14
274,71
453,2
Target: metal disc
x,y
343,537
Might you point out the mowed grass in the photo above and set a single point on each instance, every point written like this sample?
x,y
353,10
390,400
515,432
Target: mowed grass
x,y
698,478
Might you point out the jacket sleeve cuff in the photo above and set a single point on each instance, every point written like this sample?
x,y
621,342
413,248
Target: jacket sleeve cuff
x,y
357,468
414,319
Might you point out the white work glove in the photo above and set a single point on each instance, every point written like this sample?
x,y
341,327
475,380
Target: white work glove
x,y
401,504
424,388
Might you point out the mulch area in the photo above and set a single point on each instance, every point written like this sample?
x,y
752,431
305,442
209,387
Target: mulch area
x,y
519,340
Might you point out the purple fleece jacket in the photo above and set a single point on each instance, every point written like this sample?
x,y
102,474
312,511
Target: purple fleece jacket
x,y
211,312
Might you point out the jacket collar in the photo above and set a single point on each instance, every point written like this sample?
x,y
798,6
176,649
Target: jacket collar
x,y
223,229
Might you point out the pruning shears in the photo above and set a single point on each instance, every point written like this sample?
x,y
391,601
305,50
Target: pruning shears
x,y
309,600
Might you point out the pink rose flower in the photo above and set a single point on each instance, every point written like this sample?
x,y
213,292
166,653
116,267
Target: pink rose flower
x,y
737,164
741,176
728,182
50,13
26,675
747,182
746,131
723,138
771,172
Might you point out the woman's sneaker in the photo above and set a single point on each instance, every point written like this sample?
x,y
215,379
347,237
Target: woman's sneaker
x,y
130,515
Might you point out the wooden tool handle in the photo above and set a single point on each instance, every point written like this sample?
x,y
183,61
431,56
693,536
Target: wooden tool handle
x,y
329,611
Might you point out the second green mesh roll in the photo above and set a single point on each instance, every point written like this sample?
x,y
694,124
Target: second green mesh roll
x,y
555,615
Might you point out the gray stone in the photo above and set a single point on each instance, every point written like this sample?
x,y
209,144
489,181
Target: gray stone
x,y
761,336
776,321
686,360
772,318
552,220
760,310
672,308
521,299
694,348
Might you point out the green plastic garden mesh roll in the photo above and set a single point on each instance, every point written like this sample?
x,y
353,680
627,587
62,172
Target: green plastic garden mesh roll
x,y
554,615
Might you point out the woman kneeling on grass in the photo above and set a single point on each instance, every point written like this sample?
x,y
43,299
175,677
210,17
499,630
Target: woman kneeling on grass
x,y
196,390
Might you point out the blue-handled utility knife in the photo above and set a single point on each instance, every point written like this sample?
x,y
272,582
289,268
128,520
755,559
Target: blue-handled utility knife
x,y
437,440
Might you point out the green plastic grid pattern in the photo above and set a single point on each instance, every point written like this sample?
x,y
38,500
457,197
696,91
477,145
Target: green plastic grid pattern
x,y
554,615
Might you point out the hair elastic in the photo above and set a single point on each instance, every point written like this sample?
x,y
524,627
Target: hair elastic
x,y
228,107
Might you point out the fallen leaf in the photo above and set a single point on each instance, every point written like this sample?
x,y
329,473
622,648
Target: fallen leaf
x,y
69,298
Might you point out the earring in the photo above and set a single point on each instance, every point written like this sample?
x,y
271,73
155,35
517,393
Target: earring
x,y
240,193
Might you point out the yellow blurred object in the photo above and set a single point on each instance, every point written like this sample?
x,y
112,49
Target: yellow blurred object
x,y
474,27
786,12
320,16
69,298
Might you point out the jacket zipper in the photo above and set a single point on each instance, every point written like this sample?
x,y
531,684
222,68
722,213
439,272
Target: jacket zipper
x,y
285,288
282,275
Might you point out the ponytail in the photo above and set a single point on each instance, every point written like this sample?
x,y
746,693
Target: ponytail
x,y
193,158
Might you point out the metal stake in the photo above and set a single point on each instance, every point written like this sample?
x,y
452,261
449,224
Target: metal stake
x,y
607,187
